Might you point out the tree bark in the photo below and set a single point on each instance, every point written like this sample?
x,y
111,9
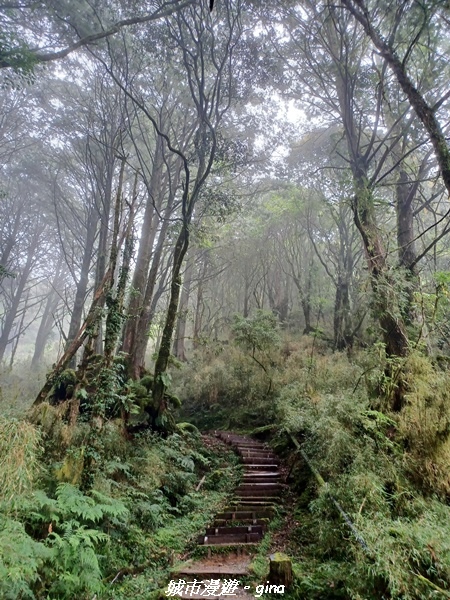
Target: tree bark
x,y
386,308
198,316
147,239
105,214
47,320
162,361
405,223
13,309
385,294
280,570
178,346
137,351
82,284
98,300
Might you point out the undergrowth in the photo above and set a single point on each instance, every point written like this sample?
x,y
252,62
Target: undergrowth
x,y
118,536
142,512
388,470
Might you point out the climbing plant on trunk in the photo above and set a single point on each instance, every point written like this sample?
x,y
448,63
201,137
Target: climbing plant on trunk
x,y
204,45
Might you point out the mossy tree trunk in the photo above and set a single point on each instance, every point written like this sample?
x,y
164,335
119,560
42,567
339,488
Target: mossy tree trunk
x,y
364,215
115,302
83,333
162,361
179,343
384,289
83,281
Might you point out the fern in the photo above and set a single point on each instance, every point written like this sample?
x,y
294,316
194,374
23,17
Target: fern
x,y
200,459
75,567
70,548
186,463
21,559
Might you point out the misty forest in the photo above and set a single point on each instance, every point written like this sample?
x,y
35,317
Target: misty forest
x,y
224,216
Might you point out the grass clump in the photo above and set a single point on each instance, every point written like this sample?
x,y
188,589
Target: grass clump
x,y
21,453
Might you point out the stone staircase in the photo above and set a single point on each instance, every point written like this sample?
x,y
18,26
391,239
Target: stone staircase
x,y
236,531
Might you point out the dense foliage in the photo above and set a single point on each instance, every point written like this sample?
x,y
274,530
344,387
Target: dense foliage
x,y
393,487
236,217
141,513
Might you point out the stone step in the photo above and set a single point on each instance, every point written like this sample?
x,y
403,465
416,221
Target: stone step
x,y
258,486
256,477
269,495
256,456
250,446
246,513
210,573
243,546
246,504
264,473
259,460
253,504
229,538
245,444
235,529
238,439
251,467
239,528
263,522
252,449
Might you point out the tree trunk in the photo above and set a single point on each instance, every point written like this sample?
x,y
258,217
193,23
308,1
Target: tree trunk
x,y
82,284
178,346
385,293
166,339
47,320
147,240
280,570
405,223
92,317
198,317
114,316
102,251
137,351
386,308
13,309
306,307
342,333
19,330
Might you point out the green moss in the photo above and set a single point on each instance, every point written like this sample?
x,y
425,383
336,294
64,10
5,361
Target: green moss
x,y
147,382
173,400
139,390
189,427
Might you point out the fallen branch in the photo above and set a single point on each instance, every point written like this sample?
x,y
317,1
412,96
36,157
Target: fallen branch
x,y
201,482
